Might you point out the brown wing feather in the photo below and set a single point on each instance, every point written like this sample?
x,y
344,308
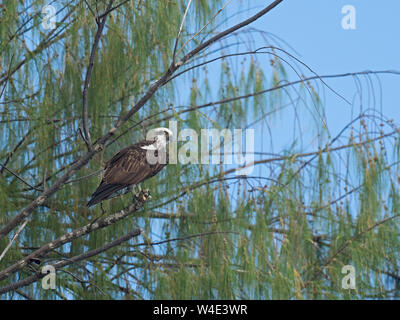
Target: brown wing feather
x,y
127,167
131,168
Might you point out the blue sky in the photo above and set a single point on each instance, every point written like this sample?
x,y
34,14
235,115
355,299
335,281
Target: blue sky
x,y
313,28
313,33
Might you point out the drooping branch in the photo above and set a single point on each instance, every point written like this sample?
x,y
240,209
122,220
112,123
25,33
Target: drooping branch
x,y
346,244
13,239
3,167
77,233
180,31
175,66
148,122
37,276
228,31
51,38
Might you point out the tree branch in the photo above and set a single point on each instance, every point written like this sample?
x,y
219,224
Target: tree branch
x,y
356,237
61,264
99,144
180,31
77,233
100,26
13,239
164,79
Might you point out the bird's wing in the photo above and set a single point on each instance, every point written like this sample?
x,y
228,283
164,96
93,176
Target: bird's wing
x,y
130,166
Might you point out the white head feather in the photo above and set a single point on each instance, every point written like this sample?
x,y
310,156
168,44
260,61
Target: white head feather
x,y
160,138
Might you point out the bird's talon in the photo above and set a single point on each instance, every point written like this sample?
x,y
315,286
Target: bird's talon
x,y
144,195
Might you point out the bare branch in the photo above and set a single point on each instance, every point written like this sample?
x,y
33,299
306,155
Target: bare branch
x,y
13,239
250,95
61,264
347,243
79,163
3,167
222,34
49,40
205,26
100,26
159,83
77,233
180,31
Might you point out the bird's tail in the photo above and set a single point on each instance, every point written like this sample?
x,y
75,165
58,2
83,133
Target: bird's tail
x,y
104,192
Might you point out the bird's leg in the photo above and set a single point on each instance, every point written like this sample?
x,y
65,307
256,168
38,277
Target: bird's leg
x,y
102,214
145,194
132,190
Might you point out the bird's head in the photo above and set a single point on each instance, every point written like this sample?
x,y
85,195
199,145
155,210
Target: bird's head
x,y
161,136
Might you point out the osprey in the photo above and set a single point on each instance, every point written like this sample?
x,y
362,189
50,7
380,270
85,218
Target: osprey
x,y
133,165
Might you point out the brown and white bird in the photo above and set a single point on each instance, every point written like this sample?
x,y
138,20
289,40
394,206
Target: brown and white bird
x,y
132,165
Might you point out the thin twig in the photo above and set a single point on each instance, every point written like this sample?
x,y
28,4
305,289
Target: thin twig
x,y
8,76
180,31
40,47
113,8
100,26
19,178
61,264
13,239
346,244
205,26
77,233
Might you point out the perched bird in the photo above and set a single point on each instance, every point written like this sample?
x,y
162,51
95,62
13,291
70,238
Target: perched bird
x,y
132,165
